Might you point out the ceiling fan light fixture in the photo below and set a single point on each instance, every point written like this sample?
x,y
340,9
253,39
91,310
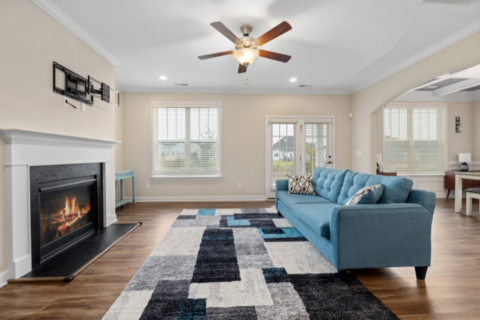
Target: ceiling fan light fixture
x,y
246,56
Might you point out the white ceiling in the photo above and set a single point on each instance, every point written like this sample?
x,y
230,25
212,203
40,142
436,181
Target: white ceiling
x,y
338,46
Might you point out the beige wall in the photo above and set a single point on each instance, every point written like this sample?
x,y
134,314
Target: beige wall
x,y
459,142
464,53
456,142
476,131
243,139
30,41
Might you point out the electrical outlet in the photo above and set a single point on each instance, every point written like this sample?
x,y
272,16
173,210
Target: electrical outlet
x,y
147,186
239,185
84,107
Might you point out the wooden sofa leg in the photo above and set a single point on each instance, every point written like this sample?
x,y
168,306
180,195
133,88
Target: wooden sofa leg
x,y
342,274
421,272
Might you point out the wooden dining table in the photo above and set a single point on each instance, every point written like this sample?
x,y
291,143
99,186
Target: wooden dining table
x,y
458,186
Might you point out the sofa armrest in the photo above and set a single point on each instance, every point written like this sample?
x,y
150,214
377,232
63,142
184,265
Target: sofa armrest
x,y
424,198
280,185
381,235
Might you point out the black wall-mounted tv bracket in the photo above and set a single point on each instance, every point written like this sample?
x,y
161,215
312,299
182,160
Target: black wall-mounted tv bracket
x,y
77,87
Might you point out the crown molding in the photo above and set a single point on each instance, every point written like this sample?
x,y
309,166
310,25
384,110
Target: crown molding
x,y
239,91
471,29
68,23
427,96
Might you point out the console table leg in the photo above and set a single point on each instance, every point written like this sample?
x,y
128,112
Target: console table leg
x,y
121,189
133,189
458,193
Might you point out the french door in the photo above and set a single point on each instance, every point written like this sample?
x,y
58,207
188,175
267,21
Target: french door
x,y
296,145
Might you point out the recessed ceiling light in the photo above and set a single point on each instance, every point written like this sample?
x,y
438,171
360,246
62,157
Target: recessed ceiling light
x,y
163,78
432,87
293,79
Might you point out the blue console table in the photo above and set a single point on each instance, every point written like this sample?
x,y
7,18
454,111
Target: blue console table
x,y
120,175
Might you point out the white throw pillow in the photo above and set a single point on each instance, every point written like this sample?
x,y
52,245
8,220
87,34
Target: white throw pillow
x,y
366,195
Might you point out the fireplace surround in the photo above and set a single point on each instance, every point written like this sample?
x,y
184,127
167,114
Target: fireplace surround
x,y
29,151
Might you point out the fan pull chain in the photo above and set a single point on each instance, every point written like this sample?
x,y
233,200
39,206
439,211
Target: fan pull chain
x,y
246,82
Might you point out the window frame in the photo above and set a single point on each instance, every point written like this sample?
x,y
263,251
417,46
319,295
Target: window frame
x,y
422,105
155,175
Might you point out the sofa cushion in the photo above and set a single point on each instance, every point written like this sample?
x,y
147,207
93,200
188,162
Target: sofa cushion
x,y
316,216
366,195
289,200
396,189
328,182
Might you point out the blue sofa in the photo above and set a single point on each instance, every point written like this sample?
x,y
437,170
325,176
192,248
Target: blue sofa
x,y
395,232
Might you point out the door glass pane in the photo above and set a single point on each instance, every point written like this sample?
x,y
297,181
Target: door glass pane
x,y
316,146
283,150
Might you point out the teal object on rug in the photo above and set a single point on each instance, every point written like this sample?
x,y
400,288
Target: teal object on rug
x,y
206,212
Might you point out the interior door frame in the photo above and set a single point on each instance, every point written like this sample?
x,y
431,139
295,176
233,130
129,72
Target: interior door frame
x,y
298,139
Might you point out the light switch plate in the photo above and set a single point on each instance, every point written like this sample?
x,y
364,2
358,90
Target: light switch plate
x,y
359,153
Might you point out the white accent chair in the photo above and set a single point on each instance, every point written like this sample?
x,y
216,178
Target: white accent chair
x,y
472,193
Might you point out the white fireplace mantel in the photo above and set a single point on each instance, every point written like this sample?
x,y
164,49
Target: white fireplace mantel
x,y
29,148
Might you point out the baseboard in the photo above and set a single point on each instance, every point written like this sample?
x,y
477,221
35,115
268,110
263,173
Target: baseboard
x,y
200,198
111,218
3,278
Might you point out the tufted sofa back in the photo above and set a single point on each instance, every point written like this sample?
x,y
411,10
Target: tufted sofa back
x,y
328,182
396,189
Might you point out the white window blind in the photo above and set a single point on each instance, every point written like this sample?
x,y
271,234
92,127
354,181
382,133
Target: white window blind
x,y
186,141
283,149
415,140
316,146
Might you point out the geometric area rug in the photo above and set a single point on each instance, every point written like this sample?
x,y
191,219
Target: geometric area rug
x,y
241,264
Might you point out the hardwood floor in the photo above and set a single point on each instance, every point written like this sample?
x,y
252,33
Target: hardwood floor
x,y
451,290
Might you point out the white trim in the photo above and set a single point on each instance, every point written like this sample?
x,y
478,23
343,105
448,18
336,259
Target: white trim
x,y
192,177
299,91
200,198
68,23
414,105
3,278
18,136
459,86
301,149
426,96
185,104
462,34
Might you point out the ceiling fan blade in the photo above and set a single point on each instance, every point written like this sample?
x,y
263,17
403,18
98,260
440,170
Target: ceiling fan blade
x,y
214,55
273,33
226,32
274,56
242,68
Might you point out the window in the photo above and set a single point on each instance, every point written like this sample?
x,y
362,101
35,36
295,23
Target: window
x,y
186,139
415,140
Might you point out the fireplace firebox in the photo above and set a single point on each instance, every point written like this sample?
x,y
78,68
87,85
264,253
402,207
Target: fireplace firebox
x,y
66,206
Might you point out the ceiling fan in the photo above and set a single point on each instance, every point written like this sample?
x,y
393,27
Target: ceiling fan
x,y
247,48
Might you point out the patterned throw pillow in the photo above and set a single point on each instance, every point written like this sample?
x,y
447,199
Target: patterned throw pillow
x,y
300,184
367,195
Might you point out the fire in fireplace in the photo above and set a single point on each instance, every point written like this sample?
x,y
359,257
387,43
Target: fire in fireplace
x,y
64,213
